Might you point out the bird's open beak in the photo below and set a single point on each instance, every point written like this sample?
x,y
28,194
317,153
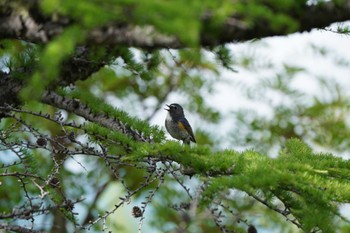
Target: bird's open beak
x,y
167,108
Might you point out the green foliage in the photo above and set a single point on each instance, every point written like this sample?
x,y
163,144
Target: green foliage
x,y
50,62
167,17
302,180
85,11
164,15
321,119
304,186
86,156
343,29
222,53
255,12
100,107
18,56
104,133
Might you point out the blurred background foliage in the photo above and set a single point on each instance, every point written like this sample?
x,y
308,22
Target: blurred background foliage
x,y
141,81
297,102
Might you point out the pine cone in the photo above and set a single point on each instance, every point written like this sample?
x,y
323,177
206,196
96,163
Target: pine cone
x,y
41,142
54,182
71,136
136,212
252,229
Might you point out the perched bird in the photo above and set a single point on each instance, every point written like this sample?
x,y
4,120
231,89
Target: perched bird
x,y
177,125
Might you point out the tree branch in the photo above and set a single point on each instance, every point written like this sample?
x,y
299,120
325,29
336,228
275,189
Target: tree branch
x,y
83,110
16,228
9,89
34,27
314,16
78,67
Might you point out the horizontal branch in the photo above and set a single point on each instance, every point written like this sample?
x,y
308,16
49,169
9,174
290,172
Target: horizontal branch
x,y
15,228
10,88
34,27
314,16
80,109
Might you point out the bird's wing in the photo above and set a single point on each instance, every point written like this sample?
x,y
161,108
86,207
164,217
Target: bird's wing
x,y
184,125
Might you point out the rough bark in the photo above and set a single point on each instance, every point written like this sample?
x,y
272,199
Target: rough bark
x,y
36,28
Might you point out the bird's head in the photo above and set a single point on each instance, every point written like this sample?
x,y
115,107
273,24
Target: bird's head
x,y
175,110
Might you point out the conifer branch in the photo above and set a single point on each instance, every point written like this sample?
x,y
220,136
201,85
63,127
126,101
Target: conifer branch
x,y
19,229
9,88
286,213
37,28
78,67
297,178
80,109
222,166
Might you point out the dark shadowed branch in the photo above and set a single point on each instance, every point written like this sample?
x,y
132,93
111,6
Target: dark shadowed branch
x,y
34,27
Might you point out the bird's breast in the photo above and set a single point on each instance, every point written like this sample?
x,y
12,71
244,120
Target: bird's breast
x,y
168,117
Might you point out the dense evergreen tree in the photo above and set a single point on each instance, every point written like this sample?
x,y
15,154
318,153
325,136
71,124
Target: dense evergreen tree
x,y
81,80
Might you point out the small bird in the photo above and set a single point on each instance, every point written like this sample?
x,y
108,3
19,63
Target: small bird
x,y
177,125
